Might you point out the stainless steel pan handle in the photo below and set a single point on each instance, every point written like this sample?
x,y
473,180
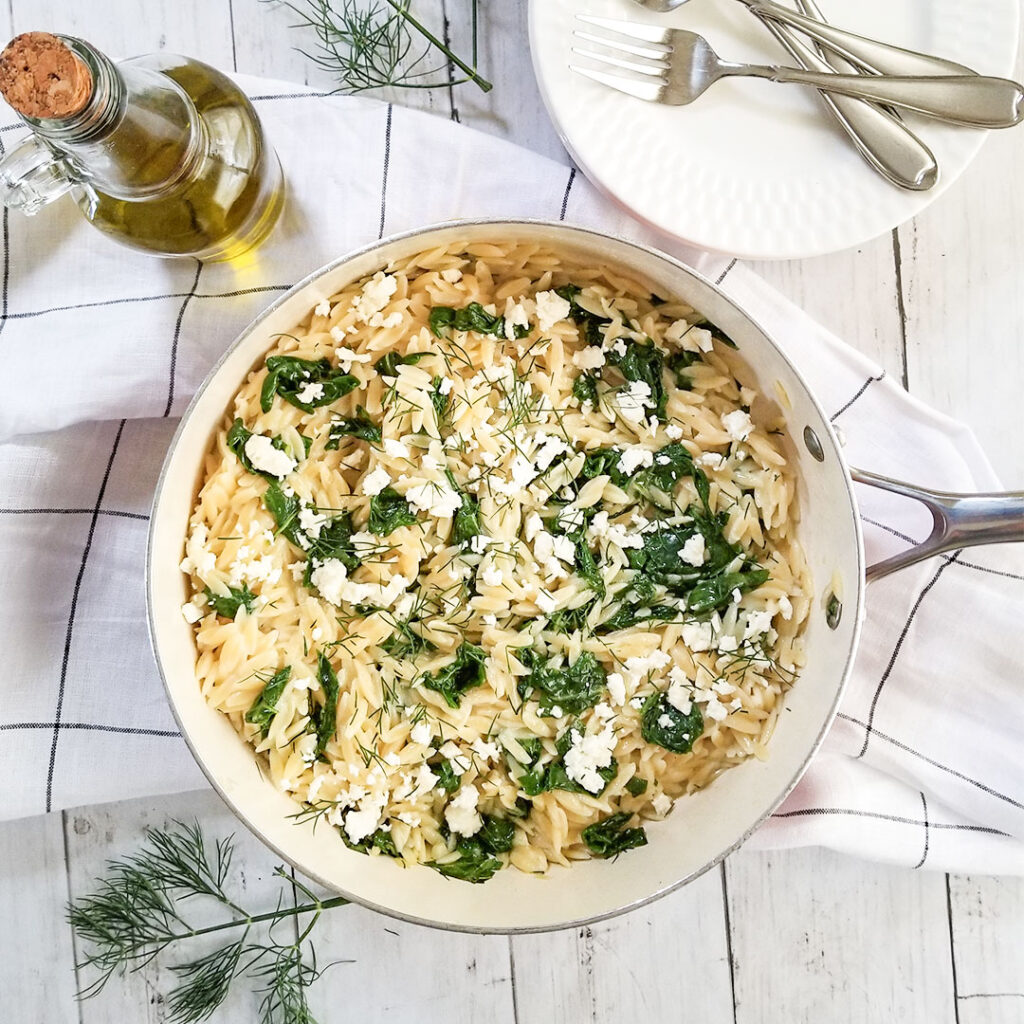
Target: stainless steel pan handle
x,y
960,520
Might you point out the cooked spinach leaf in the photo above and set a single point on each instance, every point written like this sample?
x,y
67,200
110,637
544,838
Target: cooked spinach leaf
x,y
334,541
447,777
667,726
470,318
586,568
496,834
604,462
570,620
711,594
227,605
388,365
589,323
537,779
466,523
405,642
636,786
380,839
389,511
643,362
288,375
584,387
573,688
265,706
610,837
670,465
438,399
679,363
475,864
285,510
631,615
464,673
325,717
360,426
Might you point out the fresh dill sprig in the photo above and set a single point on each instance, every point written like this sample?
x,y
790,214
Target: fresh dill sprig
x,y
135,914
370,44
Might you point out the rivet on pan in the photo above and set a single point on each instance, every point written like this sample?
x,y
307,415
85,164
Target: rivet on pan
x,y
833,611
813,444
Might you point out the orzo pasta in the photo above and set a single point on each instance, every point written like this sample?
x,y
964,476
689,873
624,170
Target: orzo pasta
x,y
489,562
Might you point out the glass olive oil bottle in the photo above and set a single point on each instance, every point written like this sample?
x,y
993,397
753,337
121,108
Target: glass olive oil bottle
x,y
162,153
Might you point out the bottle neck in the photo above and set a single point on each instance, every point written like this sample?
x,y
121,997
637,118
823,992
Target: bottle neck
x,y
137,136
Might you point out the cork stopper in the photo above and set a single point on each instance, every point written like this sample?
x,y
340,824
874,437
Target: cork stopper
x,y
40,77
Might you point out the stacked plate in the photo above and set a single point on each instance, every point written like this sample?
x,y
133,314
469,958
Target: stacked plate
x,y
754,168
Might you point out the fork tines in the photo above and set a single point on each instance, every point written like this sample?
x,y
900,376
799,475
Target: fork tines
x,y
654,58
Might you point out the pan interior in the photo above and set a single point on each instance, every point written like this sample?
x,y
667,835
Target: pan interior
x,y
702,828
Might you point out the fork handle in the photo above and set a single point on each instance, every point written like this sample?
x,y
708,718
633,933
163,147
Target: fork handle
x,y
871,54
884,141
975,101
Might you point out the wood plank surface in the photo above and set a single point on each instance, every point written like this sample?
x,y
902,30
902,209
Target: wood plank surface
x,y
647,965
987,917
36,958
820,937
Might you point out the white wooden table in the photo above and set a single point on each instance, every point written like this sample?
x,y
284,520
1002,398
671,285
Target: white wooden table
x,y
785,937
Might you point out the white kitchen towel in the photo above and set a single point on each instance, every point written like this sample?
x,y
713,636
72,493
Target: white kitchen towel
x,y
103,348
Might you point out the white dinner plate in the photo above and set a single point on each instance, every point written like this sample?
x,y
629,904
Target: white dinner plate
x,y
755,168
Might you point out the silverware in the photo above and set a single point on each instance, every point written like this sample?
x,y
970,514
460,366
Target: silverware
x,y
870,54
678,66
879,135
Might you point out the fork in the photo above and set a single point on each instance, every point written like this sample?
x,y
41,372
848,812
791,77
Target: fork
x,y
677,66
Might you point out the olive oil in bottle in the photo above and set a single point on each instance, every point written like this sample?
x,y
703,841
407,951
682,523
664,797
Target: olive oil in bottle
x,y
162,153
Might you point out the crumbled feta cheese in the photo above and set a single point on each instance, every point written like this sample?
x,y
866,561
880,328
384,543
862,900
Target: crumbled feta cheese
x,y
317,634
484,750
445,387
330,578
311,522
452,275
635,458
661,804
375,481
570,519
492,576
348,356
727,643
533,526
433,497
408,818
461,814
693,551
713,460
673,432
678,696
634,400
587,755
565,550
363,822
545,602
191,612
311,391
785,607
589,358
515,316
758,622
395,449
737,425
260,451
490,619
697,636
392,759
375,296
323,308
556,711
665,720
616,688
551,308
425,782
421,733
